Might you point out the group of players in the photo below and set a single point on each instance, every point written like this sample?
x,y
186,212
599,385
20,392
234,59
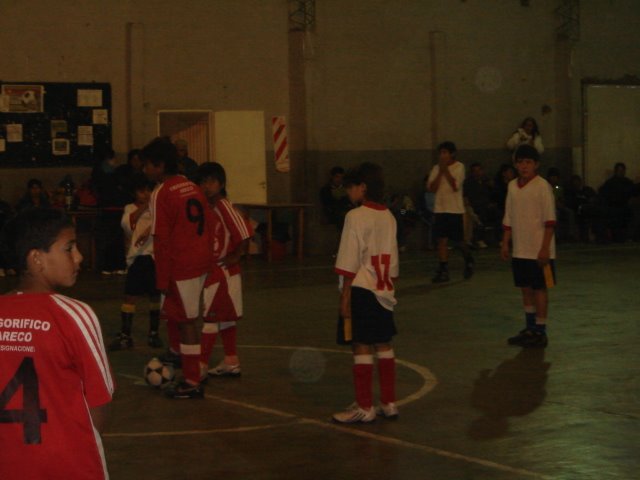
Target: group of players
x,y
55,379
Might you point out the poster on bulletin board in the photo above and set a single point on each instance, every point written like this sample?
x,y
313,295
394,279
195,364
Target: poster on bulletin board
x,y
54,124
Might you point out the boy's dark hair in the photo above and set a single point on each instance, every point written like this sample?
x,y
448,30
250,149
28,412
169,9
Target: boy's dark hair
x,y
619,165
31,229
449,146
336,170
160,151
34,182
132,153
526,151
371,175
139,181
215,171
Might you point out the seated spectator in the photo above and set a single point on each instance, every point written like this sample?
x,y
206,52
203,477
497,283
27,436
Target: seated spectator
x,y
187,166
35,196
505,174
565,230
333,197
478,190
404,211
615,194
581,199
528,133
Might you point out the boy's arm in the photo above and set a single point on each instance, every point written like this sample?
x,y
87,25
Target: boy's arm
x,y
545,253
345,297
234,257
506,239
99,416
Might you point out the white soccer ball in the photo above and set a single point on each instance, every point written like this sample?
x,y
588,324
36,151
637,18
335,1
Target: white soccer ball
x,y
157,373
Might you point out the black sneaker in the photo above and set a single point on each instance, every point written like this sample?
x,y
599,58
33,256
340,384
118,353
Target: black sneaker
x,y
184,390
535,339
154,340
121,342
442,276
469,266
171,358
519,338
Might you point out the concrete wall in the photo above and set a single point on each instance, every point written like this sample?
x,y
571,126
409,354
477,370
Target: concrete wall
x,y
379,80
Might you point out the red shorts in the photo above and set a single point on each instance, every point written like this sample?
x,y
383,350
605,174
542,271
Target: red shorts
x,y
183,299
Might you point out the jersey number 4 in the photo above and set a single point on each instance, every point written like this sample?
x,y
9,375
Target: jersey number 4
x,y
31,415
382,264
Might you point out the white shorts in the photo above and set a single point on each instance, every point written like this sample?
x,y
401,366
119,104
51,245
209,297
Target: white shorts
x,y
223,299
183,299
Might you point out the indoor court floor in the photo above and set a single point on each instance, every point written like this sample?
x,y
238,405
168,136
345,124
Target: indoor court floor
x,y
471,407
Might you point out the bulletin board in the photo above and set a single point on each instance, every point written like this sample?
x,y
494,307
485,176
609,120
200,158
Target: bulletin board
x,y
53,124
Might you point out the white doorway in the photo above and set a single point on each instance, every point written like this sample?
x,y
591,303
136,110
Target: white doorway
x,y
612,131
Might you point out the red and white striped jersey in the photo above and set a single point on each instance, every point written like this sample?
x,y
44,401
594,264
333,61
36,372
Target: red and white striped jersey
x,y
53,368
368,251
182,227
231,233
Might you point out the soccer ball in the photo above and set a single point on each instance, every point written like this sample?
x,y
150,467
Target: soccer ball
x,y
157,373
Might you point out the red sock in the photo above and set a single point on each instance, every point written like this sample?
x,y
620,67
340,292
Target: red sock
x,y
173,331
387,375
208,340
228,336
362,380
190,356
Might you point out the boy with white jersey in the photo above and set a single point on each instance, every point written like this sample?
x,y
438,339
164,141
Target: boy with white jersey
x,y
446,180
181,229
367,264
55,379
141,273
529,222
224,290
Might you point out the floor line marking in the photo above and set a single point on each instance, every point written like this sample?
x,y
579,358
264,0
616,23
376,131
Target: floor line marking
x,y
203,432
358,433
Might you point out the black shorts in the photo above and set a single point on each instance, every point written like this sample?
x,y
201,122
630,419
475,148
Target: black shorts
x,y
371,323
528,274
448,225
141,277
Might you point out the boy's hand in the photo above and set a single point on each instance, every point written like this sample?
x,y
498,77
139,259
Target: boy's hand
x,y
443,164
504,251
543,256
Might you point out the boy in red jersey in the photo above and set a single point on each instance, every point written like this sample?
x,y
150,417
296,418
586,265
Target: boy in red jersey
x,y
224,294
55,379
367,264
182,242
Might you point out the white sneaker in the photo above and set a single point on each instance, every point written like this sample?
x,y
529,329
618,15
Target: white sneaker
x,y
387,410
225,370
481,244
355,414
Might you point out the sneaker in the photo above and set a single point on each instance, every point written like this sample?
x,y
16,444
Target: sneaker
x,y
481,244
2,272
355,414
387,410
519,338
154,340
120,272
184,390
172,358
529,338
106,273
469,266
535,339
121,342
225,370
442,276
